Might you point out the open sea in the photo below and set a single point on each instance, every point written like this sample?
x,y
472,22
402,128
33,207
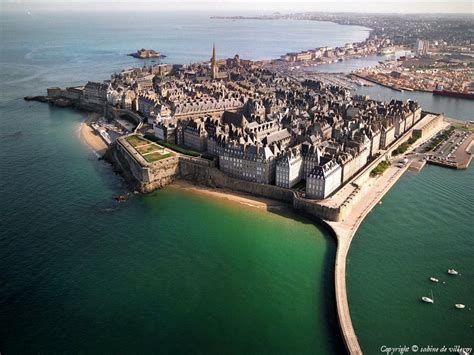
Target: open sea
x,y
172,272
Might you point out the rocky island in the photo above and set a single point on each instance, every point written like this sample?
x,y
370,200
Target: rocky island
x,y
146,53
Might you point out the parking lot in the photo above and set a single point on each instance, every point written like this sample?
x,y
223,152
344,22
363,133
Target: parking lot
x,y
453,152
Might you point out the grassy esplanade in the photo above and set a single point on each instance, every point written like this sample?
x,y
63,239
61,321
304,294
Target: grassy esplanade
x,y
150,151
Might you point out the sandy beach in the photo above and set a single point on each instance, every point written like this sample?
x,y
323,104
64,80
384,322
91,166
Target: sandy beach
x,y
230,196
91,138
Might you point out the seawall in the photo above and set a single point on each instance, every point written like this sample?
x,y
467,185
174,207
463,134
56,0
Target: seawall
x,y
342,213
146,177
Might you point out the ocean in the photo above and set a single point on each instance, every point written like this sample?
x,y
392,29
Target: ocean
x,y
423,228
173,272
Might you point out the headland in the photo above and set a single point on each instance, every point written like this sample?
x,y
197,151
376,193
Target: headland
x,y
239,125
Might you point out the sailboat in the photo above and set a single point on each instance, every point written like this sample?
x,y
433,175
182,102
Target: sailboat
x,y
427,299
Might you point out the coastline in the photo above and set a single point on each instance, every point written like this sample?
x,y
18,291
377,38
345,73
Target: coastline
x,y
230,196
90,138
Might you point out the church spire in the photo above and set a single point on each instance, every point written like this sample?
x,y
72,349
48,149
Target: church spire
x,y
214,67
214,53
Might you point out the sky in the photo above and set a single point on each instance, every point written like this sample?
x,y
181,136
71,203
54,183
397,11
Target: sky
x,y
243,6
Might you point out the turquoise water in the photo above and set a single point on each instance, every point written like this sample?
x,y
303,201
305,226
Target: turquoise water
x,y
423,227
176,273
167,272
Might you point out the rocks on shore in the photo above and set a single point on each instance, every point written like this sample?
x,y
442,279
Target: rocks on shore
x,y
61,102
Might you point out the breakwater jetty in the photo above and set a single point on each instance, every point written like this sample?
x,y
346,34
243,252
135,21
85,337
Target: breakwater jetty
x,y
343,212
345,231
364,194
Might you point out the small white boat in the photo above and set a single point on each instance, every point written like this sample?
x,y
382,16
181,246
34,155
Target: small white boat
x,y
428,299
434,279
452,272
459,306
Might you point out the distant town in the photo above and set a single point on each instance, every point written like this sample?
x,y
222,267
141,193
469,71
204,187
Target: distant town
x,y
441,56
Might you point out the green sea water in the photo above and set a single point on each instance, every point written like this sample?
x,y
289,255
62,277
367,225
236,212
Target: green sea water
x,y
423,227
172,272
169,272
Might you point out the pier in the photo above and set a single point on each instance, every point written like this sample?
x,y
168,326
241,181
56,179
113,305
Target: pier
x,y
363,195
345,231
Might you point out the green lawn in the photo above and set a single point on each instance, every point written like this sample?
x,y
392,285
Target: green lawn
x,y
151,158
174,147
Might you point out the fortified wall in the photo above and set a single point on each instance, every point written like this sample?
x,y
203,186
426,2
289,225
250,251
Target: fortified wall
x,y
147,177
210,176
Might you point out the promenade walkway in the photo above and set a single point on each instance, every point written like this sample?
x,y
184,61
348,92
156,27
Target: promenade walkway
x,y
345,231
370,193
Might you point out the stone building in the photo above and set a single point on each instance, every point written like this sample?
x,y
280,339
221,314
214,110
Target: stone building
x,y
351,162
148,105
249,162
289,168
195,136
165,131
96,93
387,134
260,130
324,179
311,158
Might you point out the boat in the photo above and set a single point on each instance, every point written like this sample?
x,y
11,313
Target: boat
x,y
428,299
434,279
459,306
452,272
463,95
